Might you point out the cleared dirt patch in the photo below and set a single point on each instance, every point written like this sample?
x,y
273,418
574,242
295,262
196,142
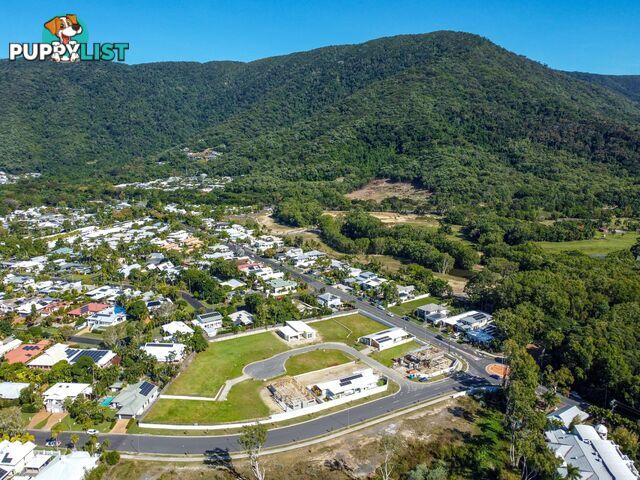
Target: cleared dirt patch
x,y
377,190
392,218
497,369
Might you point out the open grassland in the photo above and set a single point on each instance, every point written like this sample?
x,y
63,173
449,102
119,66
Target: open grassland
x,y
243,403
347,329
315,360
385,357
407,308
223,361
600,245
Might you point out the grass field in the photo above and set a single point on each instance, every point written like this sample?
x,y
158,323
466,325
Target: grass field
x,y
386,357
243,403
68,425
601,245
347,329
409,307
223,361
315,360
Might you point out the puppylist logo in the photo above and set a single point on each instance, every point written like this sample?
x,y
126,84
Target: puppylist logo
x,y
65,39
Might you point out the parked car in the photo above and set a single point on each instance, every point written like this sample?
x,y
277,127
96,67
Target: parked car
x,y
53,443
92,431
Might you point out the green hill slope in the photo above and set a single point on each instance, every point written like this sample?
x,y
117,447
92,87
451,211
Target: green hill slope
x,y
451,112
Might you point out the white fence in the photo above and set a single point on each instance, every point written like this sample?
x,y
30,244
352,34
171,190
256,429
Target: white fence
x,y
278,417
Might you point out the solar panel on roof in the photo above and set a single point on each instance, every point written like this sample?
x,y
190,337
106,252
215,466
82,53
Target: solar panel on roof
x,y
478,316
146,388
348,380
383,339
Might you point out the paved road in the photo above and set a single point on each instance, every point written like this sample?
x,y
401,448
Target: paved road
x,y
279,436
219,446
191,300
86,340
274,366
477,360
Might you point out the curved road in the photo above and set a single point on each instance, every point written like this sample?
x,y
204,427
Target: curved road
x,y
275,366
218,447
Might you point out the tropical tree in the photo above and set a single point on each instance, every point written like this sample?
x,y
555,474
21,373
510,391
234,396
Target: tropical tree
x,y
252,440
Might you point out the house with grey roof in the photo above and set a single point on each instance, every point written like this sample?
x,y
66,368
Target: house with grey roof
x,y
588,449
134,399
432,312
566,415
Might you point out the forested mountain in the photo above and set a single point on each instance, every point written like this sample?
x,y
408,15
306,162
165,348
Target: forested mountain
x,y
451,112
627,85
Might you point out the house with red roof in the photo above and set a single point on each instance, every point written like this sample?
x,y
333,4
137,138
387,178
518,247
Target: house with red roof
x,y
88,309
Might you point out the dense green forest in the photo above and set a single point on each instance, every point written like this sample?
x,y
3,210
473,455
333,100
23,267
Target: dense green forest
x,y
581,312
627,85
451,112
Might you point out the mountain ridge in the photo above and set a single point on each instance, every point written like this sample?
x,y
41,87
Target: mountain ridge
x,y
438,109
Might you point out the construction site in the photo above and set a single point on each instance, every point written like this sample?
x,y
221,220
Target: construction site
x,y
425,363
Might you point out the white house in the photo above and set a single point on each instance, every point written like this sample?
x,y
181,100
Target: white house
x,y
14,456
55,396
61,352
165,352
107,318
432,312
73,466
472,320
296,330
9,344
242,318
210,322
233,284
279,287
11,390
329,300
355,383
177,327
386,338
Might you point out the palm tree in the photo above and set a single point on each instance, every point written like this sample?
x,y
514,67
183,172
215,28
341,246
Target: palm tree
x,y
573,472
75,438
549,399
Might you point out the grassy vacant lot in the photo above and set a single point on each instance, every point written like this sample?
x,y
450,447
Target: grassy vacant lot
x,y
243,403
347,329
315,360
600,245
223,361
386,357
68,425
409,307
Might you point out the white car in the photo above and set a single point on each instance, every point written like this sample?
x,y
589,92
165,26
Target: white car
x,y
92,431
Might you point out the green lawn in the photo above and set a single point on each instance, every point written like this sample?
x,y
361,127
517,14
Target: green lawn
x,y
68,425
385,357
223,361
409,307
134,428
601,245
243,403
347,329
315,360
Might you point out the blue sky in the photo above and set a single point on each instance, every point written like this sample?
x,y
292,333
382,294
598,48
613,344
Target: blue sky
x,y
595,36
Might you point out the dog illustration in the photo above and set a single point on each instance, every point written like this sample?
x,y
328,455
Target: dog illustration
x,y
65,28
